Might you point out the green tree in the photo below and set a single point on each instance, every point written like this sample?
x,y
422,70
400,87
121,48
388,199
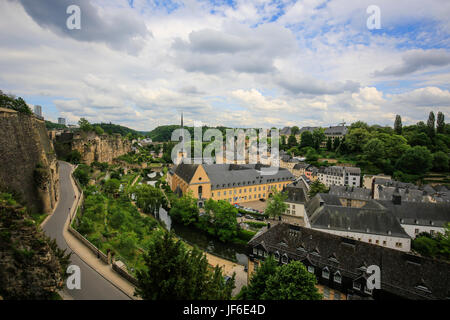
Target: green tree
x,y
440,161
184,210
317,187
359,125
85,125
112,186
148,198
175,273
336,143
329,144
82,174
440,123
292,142
276,205
295,130
307,139
222,215
291,282
257,283
98,130
416,160
398,125
318,136
374,150
430,125
356,139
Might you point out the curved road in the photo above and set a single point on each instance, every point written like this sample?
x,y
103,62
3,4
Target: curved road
x,y
93,285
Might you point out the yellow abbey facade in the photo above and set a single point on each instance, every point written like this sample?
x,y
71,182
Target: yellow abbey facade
x,y
235,183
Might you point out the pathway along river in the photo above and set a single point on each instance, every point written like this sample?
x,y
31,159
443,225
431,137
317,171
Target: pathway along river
x,y
232,252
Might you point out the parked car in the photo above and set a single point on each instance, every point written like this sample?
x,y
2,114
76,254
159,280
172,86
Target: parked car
x,y
260,218
239,214
248,216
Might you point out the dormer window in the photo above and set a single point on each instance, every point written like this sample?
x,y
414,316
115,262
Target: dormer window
x,y
277,256
311,269
326,273
337,277
356,285
367,290
284,258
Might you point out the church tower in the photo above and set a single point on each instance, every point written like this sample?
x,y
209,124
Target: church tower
x,y
182,153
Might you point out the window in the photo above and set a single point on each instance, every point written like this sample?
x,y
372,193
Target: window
x,y
218,193
337,277
416,231
377,241
398,244
432,232
356,285
277,256
370,240
367,290
284,259
384,242
311,269
293,206
255,251
325,273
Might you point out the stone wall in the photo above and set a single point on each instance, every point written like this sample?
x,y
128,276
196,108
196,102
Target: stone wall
x,y
28,164
103,148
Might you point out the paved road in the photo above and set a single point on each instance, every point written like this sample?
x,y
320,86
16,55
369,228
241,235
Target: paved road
x,y
93,285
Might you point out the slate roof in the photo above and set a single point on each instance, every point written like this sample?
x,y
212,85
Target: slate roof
x,y
224,176
351,192
336,130
297,192
401,273
301,165
419,213
186,171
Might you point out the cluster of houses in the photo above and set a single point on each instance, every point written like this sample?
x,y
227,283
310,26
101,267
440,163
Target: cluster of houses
x,y
332,132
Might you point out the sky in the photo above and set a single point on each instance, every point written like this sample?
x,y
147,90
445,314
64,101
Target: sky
x,y
140,63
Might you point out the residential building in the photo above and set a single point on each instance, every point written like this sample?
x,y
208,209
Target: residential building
x,y
230,182
363,220
299,169
297,196
342,265
312,173
334,132
38,111
341,176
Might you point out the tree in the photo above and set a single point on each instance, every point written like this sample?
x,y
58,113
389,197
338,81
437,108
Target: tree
x,y
85,125
440,124
440,161
312,155
306,139
295,130
112,186
430,125
82,174
398,125
175,273
257,284
98,130
317,187
336,143
416,160
359,125
329,144
356,139
184,210
291,282
222,215
148,198
374,150
292,141
318,136
276,205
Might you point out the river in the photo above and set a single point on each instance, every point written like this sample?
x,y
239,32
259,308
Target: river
x,y
232,252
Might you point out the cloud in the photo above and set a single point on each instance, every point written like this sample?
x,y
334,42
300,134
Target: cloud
x,y
424,97
121,30
416,60
312,86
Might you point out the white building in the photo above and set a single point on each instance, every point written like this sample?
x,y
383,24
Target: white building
x,y
361,220
340,176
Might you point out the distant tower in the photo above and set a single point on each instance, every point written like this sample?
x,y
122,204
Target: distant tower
x,y
38,110
182,153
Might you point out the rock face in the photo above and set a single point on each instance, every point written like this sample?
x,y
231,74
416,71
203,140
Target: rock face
x,y
31,266
103,148
28,164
